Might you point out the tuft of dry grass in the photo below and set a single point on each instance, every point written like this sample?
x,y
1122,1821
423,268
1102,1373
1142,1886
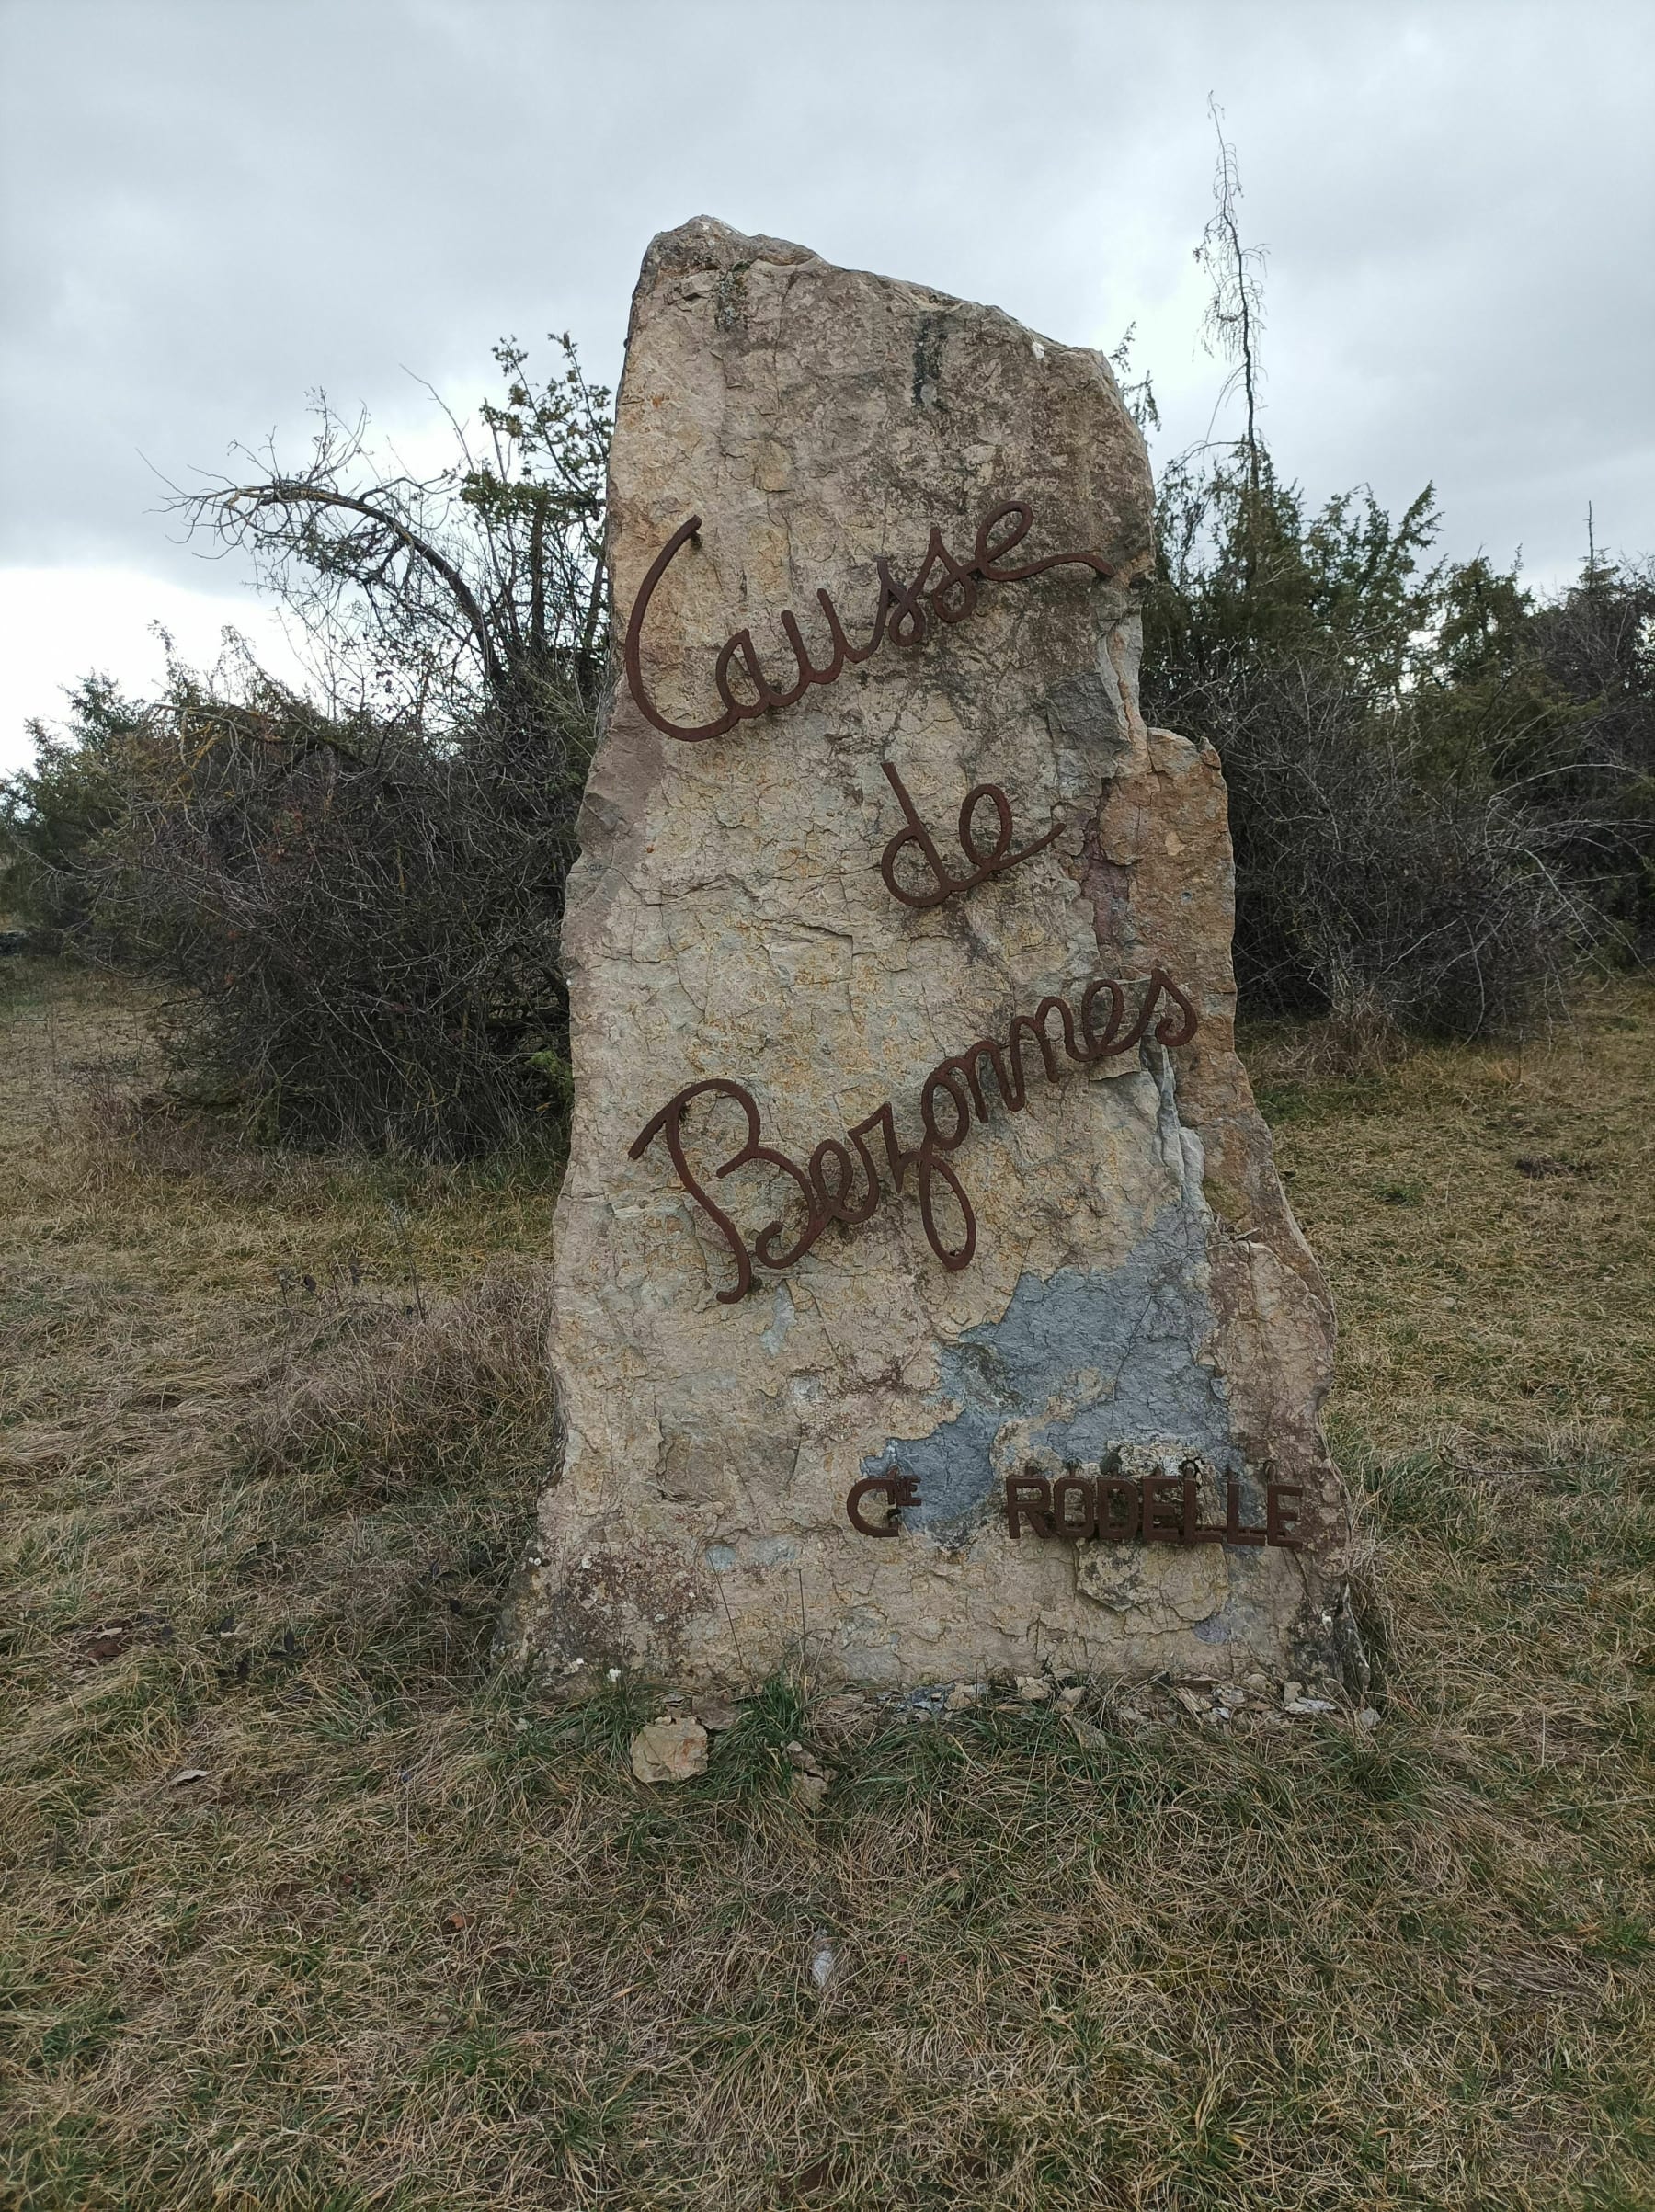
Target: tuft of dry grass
x,y
1484,1217
412,1937
457,1389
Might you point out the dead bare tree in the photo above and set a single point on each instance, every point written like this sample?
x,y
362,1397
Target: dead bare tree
x,y
433,596
1234,321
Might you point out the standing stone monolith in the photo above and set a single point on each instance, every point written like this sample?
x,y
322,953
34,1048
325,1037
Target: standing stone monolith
x,y
925,1293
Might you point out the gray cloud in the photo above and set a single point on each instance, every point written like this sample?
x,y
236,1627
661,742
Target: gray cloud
x,y
210,206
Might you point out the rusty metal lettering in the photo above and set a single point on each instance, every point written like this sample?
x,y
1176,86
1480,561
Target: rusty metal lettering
x,y
898,1490
1233,1530
1075,1489
1194,1530
1028,1501
1158,1509
899,614
1282,1528
1190,1532
1159,1491
1119,1507
898,1159
668,1124
993,861
958,1080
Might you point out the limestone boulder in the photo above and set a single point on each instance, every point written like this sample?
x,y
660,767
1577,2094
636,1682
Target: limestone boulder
x,y
756,1310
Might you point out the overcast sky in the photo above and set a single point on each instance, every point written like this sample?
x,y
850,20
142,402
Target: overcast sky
x,y
211,206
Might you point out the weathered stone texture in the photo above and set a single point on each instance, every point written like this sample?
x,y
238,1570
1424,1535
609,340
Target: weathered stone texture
x,y
1139,1286
670,1750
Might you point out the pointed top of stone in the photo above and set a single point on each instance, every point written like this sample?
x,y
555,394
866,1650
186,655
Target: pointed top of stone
x,y
707,243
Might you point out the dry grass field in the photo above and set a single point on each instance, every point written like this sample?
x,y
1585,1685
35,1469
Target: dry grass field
x,y
306,1906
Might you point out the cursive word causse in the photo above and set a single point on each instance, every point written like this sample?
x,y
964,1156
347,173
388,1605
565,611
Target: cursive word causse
x,y
827,1187
993,861
899,614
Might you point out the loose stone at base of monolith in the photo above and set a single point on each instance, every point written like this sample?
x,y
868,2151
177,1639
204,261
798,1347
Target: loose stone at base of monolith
x,y
927,1302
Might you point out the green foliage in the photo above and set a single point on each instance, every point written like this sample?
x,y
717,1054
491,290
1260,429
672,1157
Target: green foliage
x,y
541,493
54,812
1431,832
1251,577
1488,711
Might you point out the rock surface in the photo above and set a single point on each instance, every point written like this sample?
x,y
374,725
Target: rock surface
x,y
670,1750
1139,1302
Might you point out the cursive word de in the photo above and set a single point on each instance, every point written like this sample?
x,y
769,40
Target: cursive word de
x,y
900,612
998,857
827,1186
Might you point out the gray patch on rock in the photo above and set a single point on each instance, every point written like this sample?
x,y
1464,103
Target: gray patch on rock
x,y
773,1551
1080,1364
928,360
785,1316
1081,712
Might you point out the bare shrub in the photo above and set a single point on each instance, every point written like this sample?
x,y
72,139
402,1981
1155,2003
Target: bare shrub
x,y
353,894
1397,903
360,921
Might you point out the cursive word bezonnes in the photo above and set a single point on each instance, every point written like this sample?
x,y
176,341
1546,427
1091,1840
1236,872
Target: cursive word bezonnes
x,y
899,614
827,1187
993,861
